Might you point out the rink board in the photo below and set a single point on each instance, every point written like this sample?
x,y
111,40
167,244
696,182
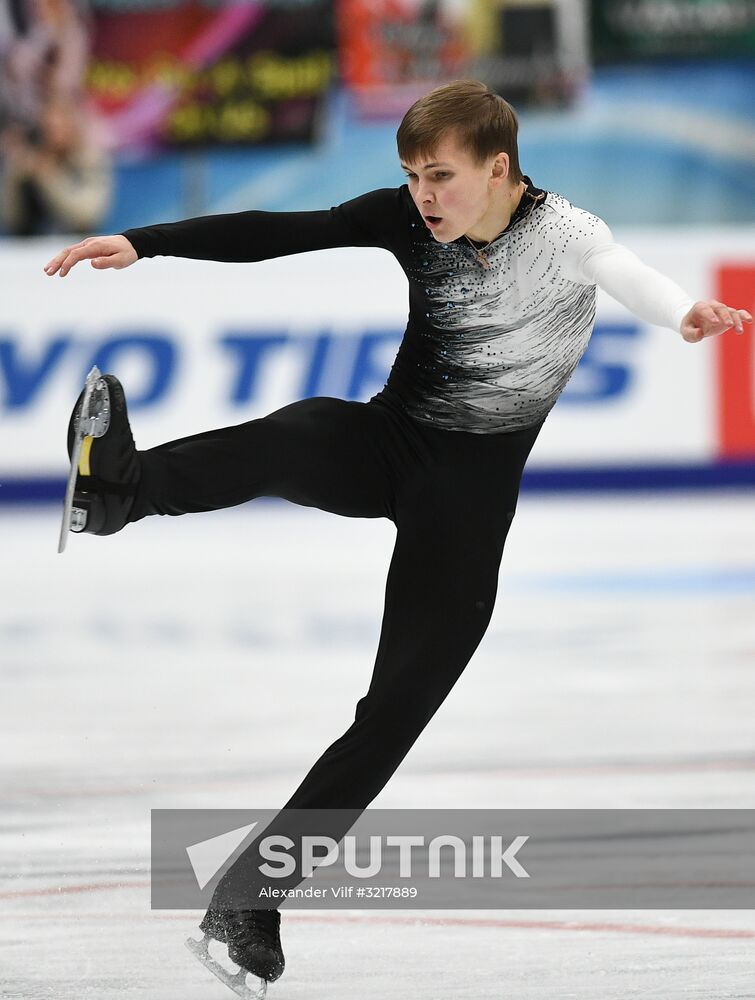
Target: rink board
x,y
205,344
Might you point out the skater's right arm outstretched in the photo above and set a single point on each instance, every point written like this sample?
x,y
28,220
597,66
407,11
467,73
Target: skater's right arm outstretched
x,y
367,221
103,251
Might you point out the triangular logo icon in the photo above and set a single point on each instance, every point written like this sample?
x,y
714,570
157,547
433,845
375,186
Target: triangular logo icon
x,y
208,856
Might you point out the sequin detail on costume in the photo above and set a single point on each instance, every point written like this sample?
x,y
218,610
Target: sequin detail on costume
x,y
498,344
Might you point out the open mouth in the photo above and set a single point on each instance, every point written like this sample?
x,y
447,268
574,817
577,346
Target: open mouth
x,y
433,220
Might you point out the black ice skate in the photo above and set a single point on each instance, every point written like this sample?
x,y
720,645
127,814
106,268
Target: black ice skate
x,y
254,944
104,465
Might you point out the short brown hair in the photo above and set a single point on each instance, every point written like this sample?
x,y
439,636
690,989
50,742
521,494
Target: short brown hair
x,y
484,124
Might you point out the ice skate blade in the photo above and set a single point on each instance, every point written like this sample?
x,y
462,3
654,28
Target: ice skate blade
x,y
93,421
236,981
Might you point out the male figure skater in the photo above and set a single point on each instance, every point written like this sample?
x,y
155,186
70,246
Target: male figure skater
x,y
502,284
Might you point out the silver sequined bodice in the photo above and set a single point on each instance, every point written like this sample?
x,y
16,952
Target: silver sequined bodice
x,y
496,346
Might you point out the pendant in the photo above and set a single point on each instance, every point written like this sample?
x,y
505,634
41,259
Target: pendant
x,y
480,253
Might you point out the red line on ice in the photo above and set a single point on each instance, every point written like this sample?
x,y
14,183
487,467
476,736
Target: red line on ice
x,y
493,922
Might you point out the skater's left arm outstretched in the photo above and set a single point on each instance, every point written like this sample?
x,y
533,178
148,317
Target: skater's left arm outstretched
x,y
646,292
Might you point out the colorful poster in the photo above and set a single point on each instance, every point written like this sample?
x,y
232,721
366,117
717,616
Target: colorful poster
x,y
192,74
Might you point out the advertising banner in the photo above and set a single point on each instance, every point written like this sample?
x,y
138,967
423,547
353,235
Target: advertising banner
x,y
626,30
393,51
202,344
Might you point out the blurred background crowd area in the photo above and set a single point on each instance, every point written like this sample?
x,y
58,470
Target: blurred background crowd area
x,y
119,113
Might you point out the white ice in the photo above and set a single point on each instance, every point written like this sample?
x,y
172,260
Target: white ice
x,y
206,661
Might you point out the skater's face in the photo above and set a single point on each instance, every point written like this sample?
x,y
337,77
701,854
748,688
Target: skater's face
x,y
456,195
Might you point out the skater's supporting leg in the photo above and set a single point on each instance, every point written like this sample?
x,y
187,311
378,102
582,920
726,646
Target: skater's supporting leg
x,y
440,593
452,524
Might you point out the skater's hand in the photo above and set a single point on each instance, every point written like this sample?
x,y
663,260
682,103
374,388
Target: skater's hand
x,y
103,251
708,319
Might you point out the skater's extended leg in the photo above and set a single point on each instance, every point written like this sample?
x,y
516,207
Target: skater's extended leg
x,y
328,453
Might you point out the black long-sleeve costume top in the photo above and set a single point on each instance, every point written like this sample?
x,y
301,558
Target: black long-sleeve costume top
x,y
486,349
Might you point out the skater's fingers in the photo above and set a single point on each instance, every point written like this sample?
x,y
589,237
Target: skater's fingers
x,y
88,251
104,252
71,260
724,316
52,266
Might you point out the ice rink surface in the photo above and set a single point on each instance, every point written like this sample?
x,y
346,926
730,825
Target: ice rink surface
x,y
206,661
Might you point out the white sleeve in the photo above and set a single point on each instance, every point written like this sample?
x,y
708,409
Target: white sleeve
x,y
646,292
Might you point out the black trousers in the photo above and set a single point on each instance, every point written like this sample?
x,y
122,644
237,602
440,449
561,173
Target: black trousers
x,y
452,496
